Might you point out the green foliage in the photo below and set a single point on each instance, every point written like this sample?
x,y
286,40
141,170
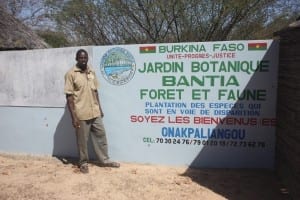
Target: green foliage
x,y
54,39
90,22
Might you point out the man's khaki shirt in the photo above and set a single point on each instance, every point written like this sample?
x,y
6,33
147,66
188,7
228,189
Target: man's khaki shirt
x,y
82,86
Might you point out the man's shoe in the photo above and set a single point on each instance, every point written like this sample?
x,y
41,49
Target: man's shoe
x,y
109,164
84,168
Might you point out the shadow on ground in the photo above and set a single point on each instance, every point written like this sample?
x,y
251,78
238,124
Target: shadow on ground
x,y
251,156
240,184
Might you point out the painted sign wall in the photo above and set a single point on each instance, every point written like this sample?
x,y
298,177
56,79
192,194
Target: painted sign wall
x,y
208,104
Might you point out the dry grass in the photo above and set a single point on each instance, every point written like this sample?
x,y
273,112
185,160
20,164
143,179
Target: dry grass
x,y
36,178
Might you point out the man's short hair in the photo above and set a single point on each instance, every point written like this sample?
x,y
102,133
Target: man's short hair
x,y
79,52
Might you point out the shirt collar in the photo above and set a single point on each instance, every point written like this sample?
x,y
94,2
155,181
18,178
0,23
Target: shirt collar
x,y
77,69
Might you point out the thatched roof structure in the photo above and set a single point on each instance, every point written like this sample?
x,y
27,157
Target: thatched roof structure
x,y
14,35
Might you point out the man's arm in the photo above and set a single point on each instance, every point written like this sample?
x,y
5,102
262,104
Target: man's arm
x,y
71,106
97,96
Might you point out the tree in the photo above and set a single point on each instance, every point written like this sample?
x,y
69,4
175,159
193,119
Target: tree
x,y
82,20
95,22
32,13
54,39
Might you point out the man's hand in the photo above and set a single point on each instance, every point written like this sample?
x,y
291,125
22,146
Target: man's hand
x,y
76,123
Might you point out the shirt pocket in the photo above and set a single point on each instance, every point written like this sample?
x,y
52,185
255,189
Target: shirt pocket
x,y
91,80
79,82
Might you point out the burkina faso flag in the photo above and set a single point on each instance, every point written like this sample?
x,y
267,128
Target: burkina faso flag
x,y
257,46
148,49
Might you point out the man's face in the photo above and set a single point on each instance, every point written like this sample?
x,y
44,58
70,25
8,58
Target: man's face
x,y
82,60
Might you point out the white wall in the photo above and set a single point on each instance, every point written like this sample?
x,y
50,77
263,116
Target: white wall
x,y
33,117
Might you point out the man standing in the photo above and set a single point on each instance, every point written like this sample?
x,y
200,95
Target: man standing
x,y
83,102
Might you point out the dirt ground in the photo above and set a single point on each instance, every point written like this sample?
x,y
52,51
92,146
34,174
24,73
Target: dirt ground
x,y
40,177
